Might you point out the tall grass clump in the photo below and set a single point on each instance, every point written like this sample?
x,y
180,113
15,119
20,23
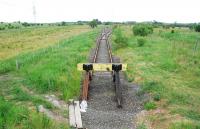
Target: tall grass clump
x,y
142,29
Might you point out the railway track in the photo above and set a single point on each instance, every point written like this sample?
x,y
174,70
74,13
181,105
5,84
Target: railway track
x,y
103,54
105,90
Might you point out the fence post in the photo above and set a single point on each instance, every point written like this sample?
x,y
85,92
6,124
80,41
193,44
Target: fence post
x,y
17,65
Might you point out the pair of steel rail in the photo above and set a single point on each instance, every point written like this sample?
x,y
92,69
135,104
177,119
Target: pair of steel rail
x,y
114,68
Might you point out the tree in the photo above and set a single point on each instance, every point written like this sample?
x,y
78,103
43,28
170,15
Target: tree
x,y
94,23
63,23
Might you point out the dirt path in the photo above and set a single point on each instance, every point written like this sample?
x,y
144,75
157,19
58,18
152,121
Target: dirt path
x,y
102,112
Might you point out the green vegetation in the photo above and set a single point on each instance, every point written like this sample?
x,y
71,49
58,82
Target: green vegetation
x,y
142,29
185,125
149,106
141,42
94,23
20,25
12,117
120,39
197,28
166,67
42,70
142,126
17,41
46,68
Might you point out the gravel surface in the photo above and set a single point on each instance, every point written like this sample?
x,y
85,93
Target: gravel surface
x,y
102,112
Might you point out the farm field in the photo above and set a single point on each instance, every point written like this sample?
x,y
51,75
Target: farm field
x,y
16,41
166,65
45,67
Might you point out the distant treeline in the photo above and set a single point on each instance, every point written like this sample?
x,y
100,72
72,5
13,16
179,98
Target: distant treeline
x,y
165,25
18,24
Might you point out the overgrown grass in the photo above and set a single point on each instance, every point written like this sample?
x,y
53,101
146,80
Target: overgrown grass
x,y
46,69
12,117
167,67
54,68
149,106
185,125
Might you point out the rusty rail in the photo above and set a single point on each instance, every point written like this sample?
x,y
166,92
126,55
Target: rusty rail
x,y
88,74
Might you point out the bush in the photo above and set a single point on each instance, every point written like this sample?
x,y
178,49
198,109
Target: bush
x,y
141,42
120,39
197,28
142,29
172,31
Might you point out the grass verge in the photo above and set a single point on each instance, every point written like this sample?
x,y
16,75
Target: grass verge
x,y
167,67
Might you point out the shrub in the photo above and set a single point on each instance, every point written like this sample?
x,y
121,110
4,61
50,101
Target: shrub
x,y
149,106
142,29
172,31
120,39
141,42
197,28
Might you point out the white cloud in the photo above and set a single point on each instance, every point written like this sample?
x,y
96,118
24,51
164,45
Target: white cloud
x,y
105,10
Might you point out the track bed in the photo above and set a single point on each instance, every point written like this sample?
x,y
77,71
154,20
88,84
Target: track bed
x,y
102,112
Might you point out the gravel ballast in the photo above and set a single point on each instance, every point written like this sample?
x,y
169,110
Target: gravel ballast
x,y
102,112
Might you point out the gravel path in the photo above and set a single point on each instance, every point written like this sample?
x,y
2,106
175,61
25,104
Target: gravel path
x,y
102,112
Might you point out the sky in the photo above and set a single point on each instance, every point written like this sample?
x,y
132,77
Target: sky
x,y
46,11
